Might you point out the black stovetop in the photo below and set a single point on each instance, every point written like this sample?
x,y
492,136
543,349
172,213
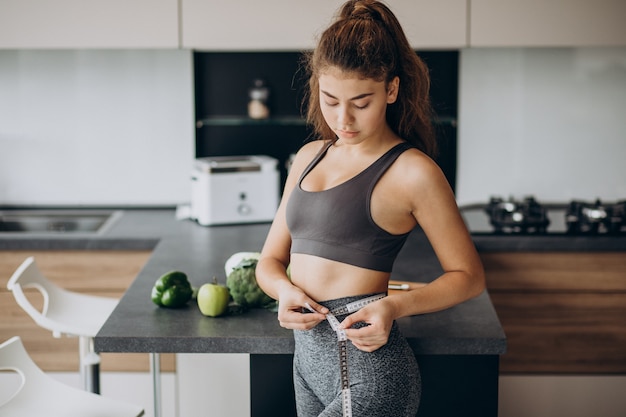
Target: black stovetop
x,y
529,216
478,221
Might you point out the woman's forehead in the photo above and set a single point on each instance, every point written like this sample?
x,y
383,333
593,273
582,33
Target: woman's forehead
x,y
338,80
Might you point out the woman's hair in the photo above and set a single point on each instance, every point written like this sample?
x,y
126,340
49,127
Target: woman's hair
x,y
366,39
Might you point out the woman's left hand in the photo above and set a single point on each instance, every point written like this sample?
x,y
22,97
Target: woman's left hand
x,y
379,318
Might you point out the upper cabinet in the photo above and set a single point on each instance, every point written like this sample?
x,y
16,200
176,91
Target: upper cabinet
x,y
433,24
218,25
553,23
75,24
289,25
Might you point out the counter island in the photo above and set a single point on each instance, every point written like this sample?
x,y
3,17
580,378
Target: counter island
x,y
458,349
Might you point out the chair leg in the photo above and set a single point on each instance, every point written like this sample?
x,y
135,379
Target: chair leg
x,y
89,365
155,370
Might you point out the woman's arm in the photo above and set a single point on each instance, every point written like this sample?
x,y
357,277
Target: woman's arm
x,y
436,211
271,269
433,206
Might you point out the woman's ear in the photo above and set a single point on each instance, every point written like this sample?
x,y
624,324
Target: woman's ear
x,y
392,90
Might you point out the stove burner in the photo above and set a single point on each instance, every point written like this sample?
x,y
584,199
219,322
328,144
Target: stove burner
x,y
596,218
523,217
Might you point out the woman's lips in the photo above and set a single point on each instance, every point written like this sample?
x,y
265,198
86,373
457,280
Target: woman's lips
x,y
347,133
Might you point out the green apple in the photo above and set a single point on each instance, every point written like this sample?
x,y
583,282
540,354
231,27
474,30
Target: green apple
x,y
213,299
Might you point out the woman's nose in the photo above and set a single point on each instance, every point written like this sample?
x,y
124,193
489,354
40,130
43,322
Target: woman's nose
x,y
344,117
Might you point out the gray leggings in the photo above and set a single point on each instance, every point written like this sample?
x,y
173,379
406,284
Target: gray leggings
x,y
383,383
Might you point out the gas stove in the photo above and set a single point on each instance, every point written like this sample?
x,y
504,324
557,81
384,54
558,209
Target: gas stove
x,y
596,218
530,217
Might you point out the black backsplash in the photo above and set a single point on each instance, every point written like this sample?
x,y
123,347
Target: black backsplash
x,y
222,81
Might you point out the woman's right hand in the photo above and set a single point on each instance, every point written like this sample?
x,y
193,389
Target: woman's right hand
x,y
292,311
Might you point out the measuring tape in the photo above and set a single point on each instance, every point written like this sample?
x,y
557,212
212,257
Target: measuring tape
x,y
346,398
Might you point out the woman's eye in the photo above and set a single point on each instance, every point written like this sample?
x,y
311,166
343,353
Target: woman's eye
x,y
362,106
330,104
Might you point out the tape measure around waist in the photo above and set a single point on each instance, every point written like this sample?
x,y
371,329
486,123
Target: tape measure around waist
x,y
342,339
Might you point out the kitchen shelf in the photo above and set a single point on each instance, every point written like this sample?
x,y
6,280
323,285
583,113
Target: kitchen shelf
x,y
247,121
445,121
283,121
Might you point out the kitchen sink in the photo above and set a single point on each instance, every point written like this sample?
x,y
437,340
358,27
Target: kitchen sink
x,y
55,221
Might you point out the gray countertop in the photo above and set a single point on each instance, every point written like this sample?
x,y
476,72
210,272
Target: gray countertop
x,y
548,243
137,325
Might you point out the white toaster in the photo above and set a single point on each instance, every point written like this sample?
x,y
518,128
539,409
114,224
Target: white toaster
x,y
234,189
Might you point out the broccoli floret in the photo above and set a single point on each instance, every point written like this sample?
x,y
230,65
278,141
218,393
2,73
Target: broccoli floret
x,y
243,286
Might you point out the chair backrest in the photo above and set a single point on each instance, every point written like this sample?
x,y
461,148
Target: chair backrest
x,y
40,394
28,275
63,312
12,359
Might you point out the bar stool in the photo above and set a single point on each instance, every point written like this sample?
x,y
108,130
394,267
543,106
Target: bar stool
x,y
65,312
39,394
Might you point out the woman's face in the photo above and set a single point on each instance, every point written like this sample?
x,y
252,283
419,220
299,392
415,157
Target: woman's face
x,y
354,107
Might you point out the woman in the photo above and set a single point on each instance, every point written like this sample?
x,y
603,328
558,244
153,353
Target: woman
x,y
350,200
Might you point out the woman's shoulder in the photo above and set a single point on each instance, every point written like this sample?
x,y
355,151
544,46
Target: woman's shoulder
x,y
308,151
312,148
304,156
417,169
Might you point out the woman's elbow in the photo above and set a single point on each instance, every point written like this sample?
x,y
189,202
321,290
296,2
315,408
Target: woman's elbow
x,y
478,283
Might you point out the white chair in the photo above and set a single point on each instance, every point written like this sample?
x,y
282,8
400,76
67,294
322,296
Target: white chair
x,y
65,312
41,395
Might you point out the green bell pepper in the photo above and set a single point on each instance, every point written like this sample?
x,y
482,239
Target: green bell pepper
x,y
172,290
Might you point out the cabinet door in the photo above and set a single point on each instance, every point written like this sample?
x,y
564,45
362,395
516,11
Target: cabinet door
x,y
215,25
430,24
562,312
34,24
554,23
253,25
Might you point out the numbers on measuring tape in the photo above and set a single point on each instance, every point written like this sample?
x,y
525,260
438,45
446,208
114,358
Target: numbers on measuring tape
x,y
356,305
346,401
346,396
334,324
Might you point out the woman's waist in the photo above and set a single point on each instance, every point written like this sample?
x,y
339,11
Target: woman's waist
x,y
325,280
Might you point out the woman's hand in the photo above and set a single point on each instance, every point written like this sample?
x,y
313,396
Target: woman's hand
x,y
379,317
291,303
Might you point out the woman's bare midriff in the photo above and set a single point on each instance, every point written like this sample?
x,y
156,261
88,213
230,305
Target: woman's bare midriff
x,y
323,279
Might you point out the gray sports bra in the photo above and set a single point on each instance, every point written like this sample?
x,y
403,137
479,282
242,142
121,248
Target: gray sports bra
x,y
337,224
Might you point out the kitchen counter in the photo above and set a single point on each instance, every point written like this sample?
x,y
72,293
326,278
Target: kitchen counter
x,y
548,243
146,229
201,252
448,344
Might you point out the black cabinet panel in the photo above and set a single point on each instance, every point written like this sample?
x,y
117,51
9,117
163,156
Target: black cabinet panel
x,y
222,81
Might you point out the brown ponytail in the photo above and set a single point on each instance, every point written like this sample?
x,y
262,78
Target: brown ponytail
x,y
367,39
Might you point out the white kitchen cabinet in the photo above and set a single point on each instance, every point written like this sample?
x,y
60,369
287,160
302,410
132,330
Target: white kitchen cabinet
x,y
253,25
541,23
73,24
216,25
433,24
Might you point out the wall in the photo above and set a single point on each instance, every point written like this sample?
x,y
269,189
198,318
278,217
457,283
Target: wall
x,y
95,127
547,122
75,125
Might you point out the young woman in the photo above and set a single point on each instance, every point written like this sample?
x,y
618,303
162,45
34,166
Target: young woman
x,y
350,200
